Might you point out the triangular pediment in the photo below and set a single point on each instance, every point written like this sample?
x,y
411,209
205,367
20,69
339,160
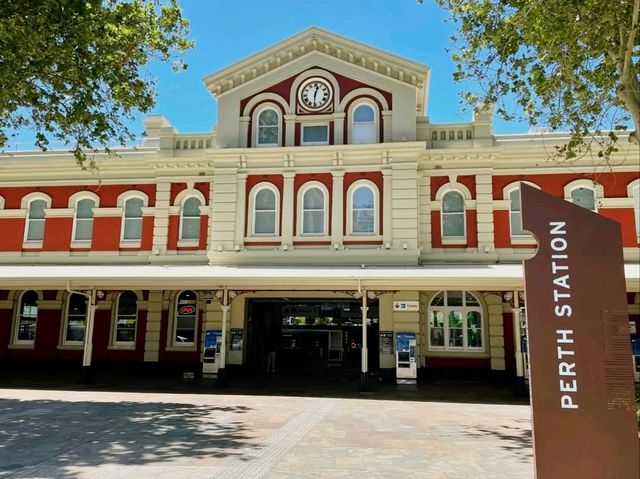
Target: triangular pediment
x,y
317,40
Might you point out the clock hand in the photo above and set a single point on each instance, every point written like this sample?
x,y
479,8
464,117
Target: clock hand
x,y
315,93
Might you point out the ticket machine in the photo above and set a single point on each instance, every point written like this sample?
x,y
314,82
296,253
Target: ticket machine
x,y
406,364
211,354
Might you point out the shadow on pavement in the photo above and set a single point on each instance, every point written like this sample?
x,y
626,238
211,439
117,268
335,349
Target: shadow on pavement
x,y
516,440
65,435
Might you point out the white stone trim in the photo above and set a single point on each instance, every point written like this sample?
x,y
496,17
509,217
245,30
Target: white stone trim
x,y
107,212
300,213
81,195
255,124
266,97
376,119
1,202
304,76
123,197
349,233
36,195
453,185
598,190
252,212
364,92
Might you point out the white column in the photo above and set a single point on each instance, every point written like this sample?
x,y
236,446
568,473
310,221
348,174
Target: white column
x,y
88,334
337,208
241,210
387,203
364,380
287,209
338,128
161,221
290,134
387,123
222,374
243,132
516,336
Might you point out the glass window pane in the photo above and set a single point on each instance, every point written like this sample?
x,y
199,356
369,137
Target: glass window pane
x,y
190,228
36,209
438,300
474,320
265,200
268,118
584,197
363,133
127,304
267,135
470,300
84,208
363,198
455,319
456,338
265,222
313,222
515,220
363,113
453,224
436,320
514,198
191,207
452,202
132,229
315,134
186,310
84,228
76,317
363,221
28,316
436,336
133,208
36,230
454,298
314,199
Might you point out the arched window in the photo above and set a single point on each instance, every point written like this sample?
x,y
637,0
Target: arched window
x,y
132,219
76,318
83,219
313,211
185,324
363,210
455,322
515,217
126,318
267,130
190,219
363,123
585,197
35,220
27,318
453,215
265,211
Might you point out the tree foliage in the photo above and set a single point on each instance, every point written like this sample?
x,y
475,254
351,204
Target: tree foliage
x,y
72,70
569,64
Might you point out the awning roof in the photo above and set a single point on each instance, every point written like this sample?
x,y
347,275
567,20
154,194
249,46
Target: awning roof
x,y
462,276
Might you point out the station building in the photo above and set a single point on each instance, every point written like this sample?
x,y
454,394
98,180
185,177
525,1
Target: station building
x,y
324,194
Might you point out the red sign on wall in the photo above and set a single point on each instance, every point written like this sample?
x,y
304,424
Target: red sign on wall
x,y
581,377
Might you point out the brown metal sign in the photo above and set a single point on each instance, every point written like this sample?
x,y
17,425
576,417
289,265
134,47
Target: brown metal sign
x,y
581,377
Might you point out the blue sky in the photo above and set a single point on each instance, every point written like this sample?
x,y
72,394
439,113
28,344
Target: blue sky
x,y
228,31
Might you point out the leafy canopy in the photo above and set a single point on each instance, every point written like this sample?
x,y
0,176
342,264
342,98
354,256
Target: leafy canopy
x,y
569,64
71,70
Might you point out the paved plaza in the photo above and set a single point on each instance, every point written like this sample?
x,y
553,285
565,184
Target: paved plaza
x,y
75,433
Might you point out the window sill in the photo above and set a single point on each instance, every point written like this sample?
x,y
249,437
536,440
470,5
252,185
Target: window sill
x,y
188,243
362,237
70,347
523,239
311,238
121,347
130,244
453,353
462,241
32,245
81,244
270,239
21,346
182,349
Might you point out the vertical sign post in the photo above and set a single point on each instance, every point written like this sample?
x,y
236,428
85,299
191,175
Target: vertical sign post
x,y
581,378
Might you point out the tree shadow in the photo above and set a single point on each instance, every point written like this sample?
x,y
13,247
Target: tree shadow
x,y
50,438
517,440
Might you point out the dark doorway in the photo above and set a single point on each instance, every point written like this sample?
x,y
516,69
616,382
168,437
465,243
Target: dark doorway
x,y
310,335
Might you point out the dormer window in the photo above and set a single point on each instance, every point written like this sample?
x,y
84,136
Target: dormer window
x,y
268,128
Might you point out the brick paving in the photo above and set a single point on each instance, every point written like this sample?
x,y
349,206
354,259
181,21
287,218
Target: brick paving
x,y
105,434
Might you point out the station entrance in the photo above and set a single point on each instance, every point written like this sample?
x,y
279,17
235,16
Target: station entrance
x,y
309,336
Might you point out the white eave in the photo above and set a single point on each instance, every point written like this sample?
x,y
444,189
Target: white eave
x,y
494,277
316,39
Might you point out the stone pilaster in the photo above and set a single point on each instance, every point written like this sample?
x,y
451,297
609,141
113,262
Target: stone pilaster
x,y
161,220
496,331
152,333
337,213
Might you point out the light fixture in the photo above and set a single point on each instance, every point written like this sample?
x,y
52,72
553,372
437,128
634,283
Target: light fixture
x,y
405,246
220,248
285,247
336,246
237,247
387,245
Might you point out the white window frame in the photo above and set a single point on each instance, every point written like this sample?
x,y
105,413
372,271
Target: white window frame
x,y
311,143
18,315
26,205
300,216
465,348
256,118
376,125
178,209
73,203
114,327
376,206
174,323
598,191
252,210
65,321
469,203
122,203
182,217
463,212
506,194
633,189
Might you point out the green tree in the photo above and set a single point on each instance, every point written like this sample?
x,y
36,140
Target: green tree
x,y
569,64
72,70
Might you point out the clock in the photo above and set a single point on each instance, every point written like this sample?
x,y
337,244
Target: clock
x,y
315,94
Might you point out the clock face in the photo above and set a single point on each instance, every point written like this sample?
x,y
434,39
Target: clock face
x,y
315,94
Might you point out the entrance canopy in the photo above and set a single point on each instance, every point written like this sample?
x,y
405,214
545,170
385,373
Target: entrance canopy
x,y
468,276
